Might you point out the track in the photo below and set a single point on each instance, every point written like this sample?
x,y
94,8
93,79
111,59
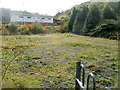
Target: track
x,y
106,43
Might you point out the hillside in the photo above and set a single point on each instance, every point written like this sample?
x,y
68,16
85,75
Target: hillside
x,y
92,19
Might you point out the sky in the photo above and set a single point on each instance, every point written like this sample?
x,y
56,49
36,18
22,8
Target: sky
x,y
49,7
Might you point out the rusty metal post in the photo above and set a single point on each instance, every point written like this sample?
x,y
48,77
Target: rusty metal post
x,y
78,69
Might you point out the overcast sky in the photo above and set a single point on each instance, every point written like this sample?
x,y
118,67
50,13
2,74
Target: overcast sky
x,y
50,7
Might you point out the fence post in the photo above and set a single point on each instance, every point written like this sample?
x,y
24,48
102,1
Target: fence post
x,y
80,83
78,69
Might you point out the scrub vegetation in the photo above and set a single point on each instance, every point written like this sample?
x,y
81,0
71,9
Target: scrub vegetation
x,y
96,19
49,60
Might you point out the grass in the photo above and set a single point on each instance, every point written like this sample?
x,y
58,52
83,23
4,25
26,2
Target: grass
x,y
49,60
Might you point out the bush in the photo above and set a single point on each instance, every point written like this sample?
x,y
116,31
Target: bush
x,y
12,28
107,29
9,29
24,30
3,30
36,28
64,28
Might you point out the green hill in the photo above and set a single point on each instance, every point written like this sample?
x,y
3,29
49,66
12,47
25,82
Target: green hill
x,y
95,19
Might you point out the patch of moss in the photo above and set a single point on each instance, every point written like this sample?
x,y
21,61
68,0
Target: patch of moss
x,y
104,81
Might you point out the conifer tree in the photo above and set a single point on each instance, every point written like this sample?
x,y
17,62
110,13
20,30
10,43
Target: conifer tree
x,y
72,19
108,13
93,18
80,20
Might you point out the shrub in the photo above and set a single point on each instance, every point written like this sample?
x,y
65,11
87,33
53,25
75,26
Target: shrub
x,y
9,29
107,29
36,28
3,30
64,28
24,30
12,27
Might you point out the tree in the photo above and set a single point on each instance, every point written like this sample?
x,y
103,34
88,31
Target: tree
x,y
13,28
80,20
108,13
93,18
115,6
72,19
107,29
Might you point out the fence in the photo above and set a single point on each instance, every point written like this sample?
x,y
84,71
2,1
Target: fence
x,y
80,83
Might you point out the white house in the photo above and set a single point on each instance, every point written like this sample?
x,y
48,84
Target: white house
x,y
21,17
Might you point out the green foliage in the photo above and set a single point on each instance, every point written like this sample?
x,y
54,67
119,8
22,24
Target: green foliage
x,y
37,57
115,6
104,81
12,28
24,30
107,29
72,19
98,13
64,28
4,30
63,16
108,13
93,18
80,20
36,28
52,64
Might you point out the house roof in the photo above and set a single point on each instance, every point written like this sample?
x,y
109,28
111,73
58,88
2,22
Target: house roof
x,y
25,13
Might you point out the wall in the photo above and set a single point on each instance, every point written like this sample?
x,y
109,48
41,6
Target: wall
x,y
30,18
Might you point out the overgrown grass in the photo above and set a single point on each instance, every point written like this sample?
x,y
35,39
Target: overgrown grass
x,y
49,60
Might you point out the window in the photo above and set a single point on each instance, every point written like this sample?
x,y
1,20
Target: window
x,y
42,18
28,17
49,18
20,17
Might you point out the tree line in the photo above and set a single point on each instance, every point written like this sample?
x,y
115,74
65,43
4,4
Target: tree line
x,y
95,19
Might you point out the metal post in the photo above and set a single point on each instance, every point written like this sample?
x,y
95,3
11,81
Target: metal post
x,y
78,66
83,76
94,82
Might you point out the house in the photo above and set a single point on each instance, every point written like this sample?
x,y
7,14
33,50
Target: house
x,y
24,17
